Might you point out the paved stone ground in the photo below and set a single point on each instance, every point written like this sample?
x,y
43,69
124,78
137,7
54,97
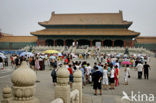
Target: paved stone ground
x,y
45,88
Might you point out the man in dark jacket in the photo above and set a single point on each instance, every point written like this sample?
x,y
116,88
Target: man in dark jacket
x,y
97,77
146,69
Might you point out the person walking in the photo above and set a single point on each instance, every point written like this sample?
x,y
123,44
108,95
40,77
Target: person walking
x,y
97,77
140,69
112,72
146,70
71,75
1,63
105,78
127,74
116,75
54,76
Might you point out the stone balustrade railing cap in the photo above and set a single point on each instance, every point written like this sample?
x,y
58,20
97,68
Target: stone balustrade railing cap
x,y
63,72
23,76
77,73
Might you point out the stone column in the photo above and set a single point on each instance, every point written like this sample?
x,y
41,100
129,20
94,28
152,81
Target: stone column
x,y
64,42
91,43
78,83
62,89
124,43
7,95
102,43
23,88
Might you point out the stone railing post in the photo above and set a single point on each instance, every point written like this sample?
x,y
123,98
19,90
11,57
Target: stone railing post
x,y
78,83
7,95
23,88
62,89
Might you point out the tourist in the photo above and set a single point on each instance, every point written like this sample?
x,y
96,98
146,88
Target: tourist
x,y
83,74
127,74
105,78
88,71
71,75
146,69
116,75
117,63
112,77
97,77
140,70
33,63
6,61
1,63
100,67
54,76
37,65
17,62
89,68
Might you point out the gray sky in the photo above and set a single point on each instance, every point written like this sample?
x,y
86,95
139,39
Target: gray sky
x,y
20,17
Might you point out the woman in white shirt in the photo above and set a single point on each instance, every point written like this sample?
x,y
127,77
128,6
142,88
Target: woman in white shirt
x,y
127,74
112,77
105,78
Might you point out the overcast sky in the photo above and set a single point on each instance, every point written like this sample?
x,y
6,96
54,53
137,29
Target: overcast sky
x,y
20,17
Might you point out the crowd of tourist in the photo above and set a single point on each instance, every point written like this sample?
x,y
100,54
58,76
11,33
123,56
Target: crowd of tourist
x,y
104,73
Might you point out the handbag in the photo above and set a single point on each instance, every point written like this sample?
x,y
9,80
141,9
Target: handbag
x,y
129,76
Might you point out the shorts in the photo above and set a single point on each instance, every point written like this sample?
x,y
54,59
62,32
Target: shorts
x,y
97,85
71,78
105,81
111,80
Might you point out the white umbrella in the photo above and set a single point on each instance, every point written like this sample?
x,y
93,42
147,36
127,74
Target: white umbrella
x,y
59,54
52,57
3,56
29,54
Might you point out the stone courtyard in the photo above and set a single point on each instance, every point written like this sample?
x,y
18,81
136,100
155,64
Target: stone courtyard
x,y
45,88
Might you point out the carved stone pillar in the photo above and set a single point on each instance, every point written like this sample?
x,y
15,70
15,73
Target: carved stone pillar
x,y
7,95
23,80
62,89
78,83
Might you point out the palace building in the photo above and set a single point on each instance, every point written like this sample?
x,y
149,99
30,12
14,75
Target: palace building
x,y
104,29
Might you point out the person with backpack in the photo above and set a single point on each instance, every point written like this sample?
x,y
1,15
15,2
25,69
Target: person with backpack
x,y
54,75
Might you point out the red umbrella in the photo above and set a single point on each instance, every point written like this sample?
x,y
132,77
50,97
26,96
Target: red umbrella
x,y
126,62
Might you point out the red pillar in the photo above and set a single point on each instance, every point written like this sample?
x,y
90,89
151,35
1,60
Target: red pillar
x,y
38,43
91,43
124,43
54,43
75,42
113,43
131,43
102,43
64,42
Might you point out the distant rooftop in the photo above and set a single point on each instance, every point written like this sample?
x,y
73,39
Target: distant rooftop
x,y
86,19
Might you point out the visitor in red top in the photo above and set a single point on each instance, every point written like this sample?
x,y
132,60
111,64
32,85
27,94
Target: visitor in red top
x,y
116,75
66,60
70,76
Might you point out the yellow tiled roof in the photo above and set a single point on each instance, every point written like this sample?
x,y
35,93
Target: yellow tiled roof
x,y
105,32
86,19
18,39
146,39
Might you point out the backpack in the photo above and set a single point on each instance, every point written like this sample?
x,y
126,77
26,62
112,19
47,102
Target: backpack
x,y
53,73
